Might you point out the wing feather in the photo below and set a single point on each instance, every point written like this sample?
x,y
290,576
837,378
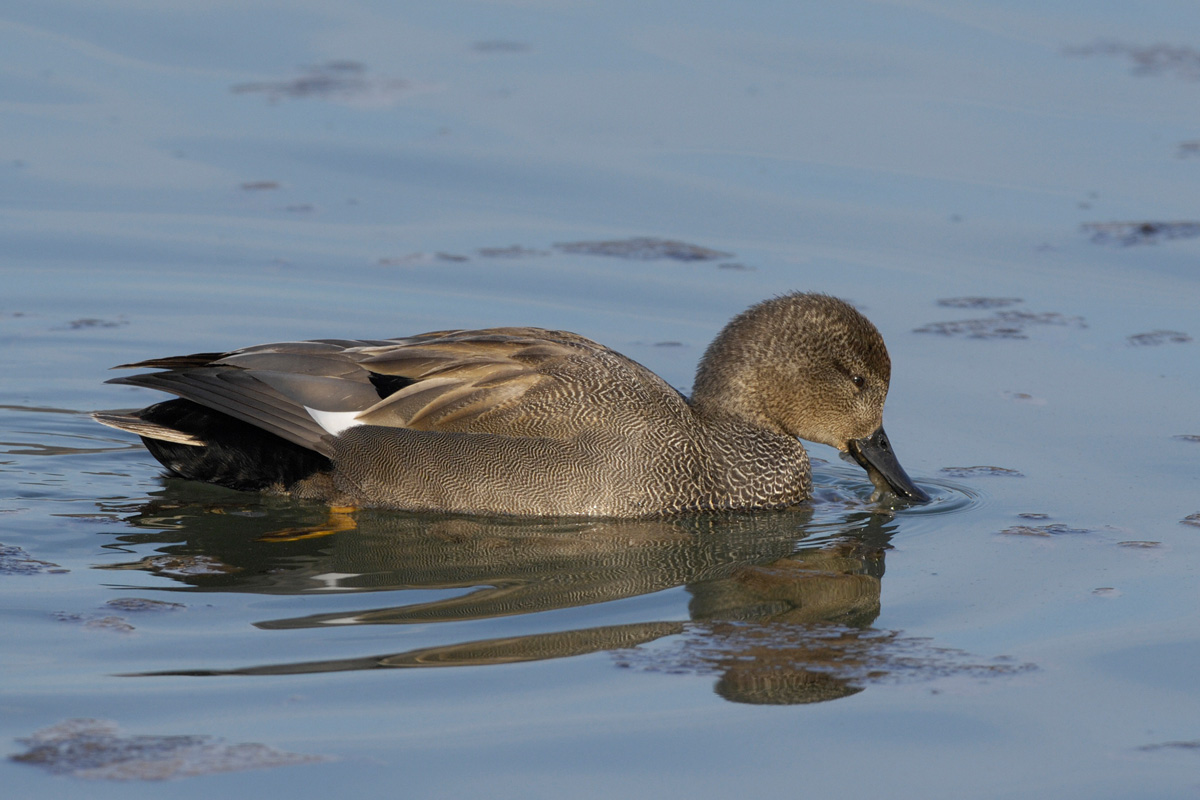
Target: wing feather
x,y
240,396
510,381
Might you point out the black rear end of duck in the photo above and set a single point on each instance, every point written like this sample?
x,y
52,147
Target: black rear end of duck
x,y
224,450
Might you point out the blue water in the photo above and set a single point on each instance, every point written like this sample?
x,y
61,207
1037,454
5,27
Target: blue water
x,y
194,177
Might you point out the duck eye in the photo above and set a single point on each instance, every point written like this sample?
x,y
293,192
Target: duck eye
x,y
859,381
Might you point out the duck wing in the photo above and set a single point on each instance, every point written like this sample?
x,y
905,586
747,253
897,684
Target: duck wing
x,y
524,382
510,381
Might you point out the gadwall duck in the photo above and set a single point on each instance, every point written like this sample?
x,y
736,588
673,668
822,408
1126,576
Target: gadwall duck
x,y
531,422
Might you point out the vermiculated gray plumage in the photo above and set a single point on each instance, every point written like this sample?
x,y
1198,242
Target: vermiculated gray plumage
x,y
524,421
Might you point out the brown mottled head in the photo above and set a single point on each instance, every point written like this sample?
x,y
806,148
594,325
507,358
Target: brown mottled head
x,y
810,366
807,365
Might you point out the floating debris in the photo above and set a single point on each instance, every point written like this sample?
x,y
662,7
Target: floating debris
x,y
1026,397
1140,545
1192,519
1042,530
180,566
102,519
93,322
1002,325
339,81
1043,318
1032,515
95,749
1106,591
109,623
422,258
1158,337
973,472
644,249
1157,59
1193,744
15,561
976,329
1127,234
1187,437
260,186
736,266
513,251
979,302
140,604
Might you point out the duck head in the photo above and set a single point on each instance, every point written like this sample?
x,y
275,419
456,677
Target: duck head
x,y
810,366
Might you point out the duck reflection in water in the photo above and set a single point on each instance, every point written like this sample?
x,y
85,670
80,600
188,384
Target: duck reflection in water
x,y
776,621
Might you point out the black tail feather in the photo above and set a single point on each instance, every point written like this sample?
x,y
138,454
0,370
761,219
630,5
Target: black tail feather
x,y
235,454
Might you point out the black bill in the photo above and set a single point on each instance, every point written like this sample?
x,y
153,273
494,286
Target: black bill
x,y
874,453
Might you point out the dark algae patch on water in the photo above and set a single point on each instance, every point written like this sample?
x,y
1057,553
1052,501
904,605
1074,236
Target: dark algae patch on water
x,y
421,258
981,471
1128,234
1192,745
641,248
15,561
139,605
1179,61
1153,338
979,302
512,251
180,566
346,81
1188,149
111,623
114,623
1009,324
97,750
644,248
1054,529
93,322
1001,325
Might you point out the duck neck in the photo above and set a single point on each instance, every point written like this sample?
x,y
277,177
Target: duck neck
x,y
732,379
753,465
731,403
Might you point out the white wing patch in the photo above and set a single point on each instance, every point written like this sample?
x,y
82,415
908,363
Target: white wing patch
x,y
335,422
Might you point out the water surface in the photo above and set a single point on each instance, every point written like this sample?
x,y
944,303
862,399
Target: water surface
x,y
1006,190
